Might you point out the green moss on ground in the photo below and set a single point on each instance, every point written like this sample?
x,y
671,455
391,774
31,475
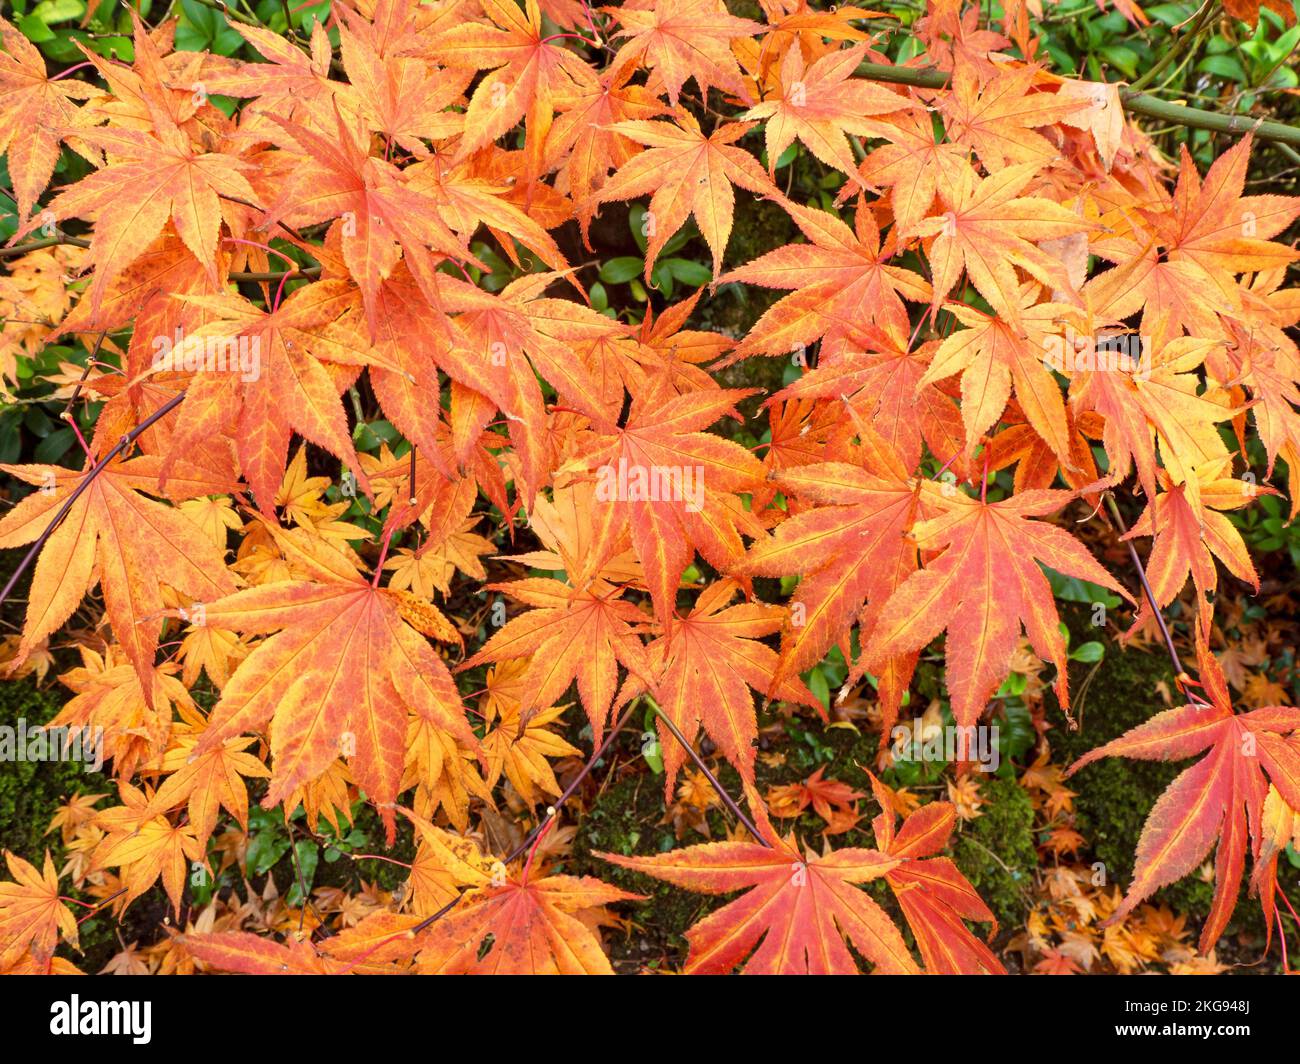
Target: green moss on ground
x,y
31,792
624,820
1115,795
30,795
996,852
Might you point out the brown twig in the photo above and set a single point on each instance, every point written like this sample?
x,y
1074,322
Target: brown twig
x,y
122,445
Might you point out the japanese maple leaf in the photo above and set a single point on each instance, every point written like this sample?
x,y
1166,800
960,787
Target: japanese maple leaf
x,y
1248,10
32,917
1213,226
381,218
517,747
1268,363
684,173
206,783
832,800
36,113
533,927
289,84
152,177
130,717
569,634
989,228
1219,797
244,953
821,104
853,549
132,544
992,358
1037,465
413,338
840,279
668,482
504,341
144,847
1205,234
998,118
1191,531
142,293
1102,115
1154,403
881,381
347,662
583,146
288,388
466,201
682,39
576,541
797,910
933,894
983,587
528,69
404,98
794,25
703,671
910,165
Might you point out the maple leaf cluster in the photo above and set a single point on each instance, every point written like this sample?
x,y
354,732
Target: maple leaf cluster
x,y
1012,281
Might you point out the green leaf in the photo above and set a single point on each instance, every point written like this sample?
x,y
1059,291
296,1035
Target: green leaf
x,y
1223,66
635,222
54,446
34,29
1170,14
1089,652
308,857
662,279
202,17
1122,58
819,687
50,11
620,270
264,852
689,273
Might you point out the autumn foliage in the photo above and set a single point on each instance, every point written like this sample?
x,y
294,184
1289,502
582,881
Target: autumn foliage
x,y
582,520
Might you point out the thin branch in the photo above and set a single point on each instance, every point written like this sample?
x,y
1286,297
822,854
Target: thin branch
x,y
551,813
122,445
1180,674
1135,102
727,800
234,275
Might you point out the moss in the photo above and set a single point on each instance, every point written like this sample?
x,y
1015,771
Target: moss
x,y
995,851
31,792
759,227
1115,795
625,820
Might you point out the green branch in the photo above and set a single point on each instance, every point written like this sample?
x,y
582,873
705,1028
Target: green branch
x,y
1138,103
